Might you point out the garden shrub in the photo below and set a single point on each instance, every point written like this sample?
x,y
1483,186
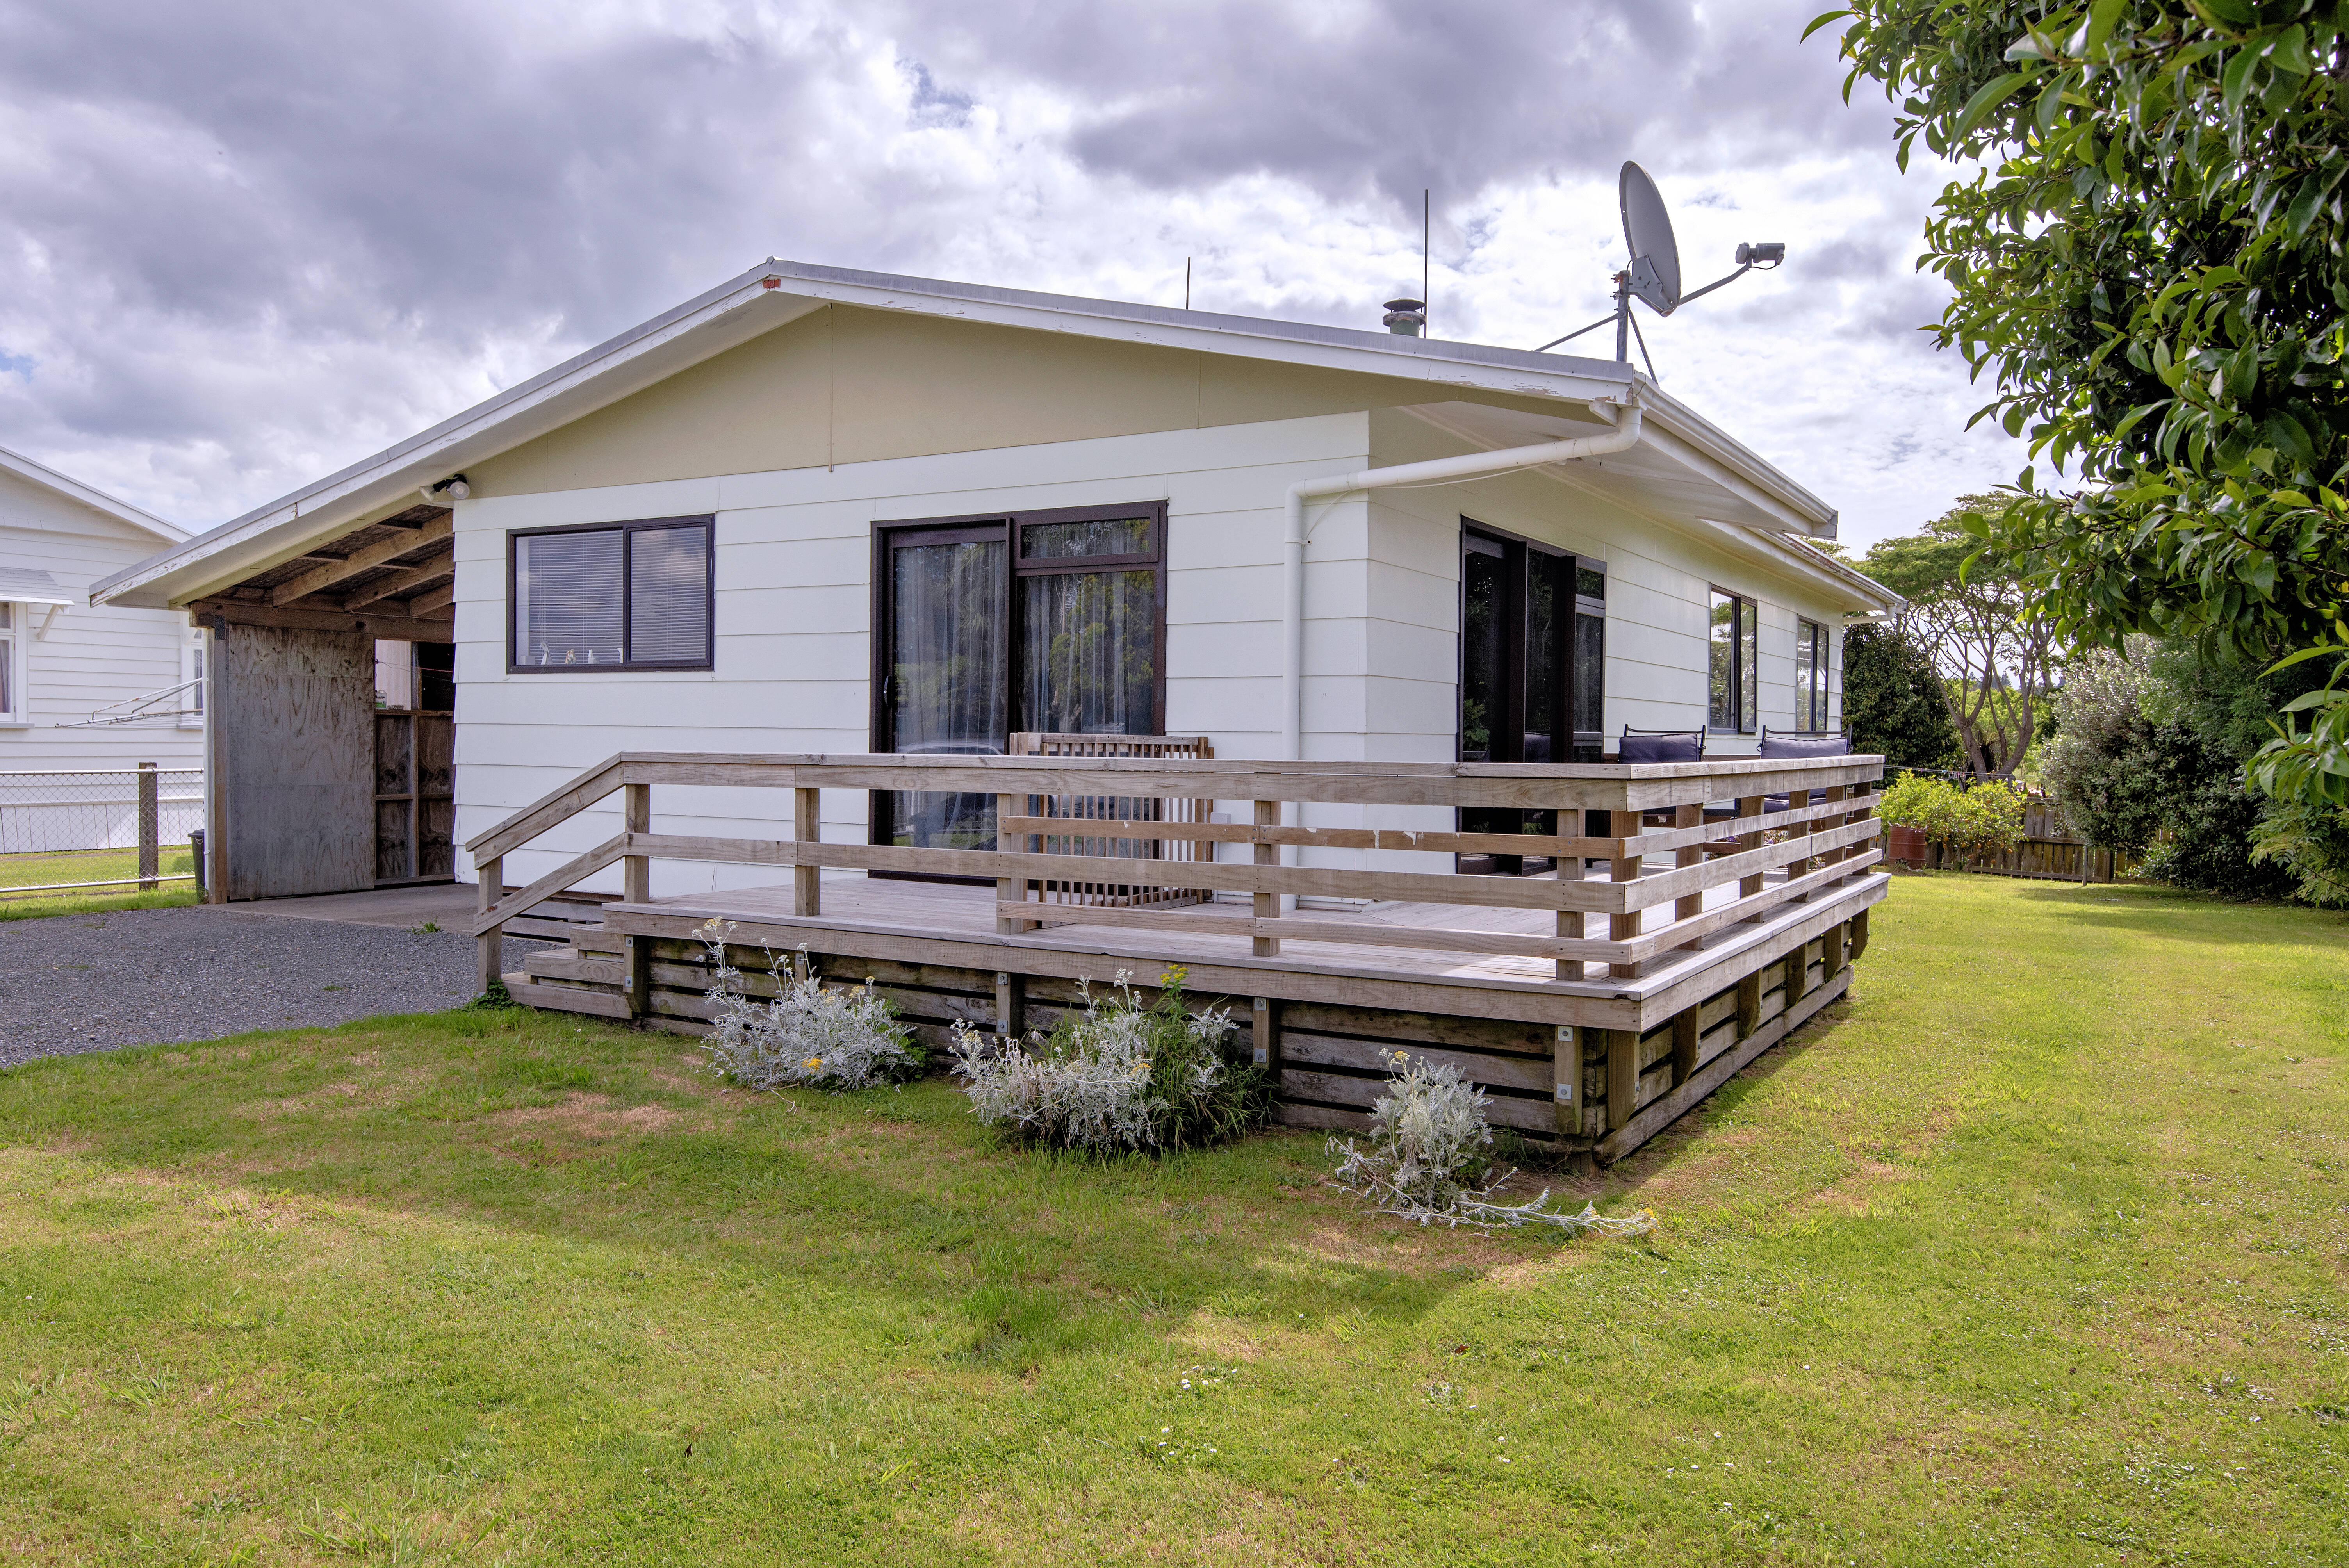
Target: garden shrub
x,y
2311,842
1966,823
1429,1158
810,1035
1119,1077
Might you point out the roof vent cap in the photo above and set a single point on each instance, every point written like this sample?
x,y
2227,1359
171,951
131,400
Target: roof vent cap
x,y
1406,317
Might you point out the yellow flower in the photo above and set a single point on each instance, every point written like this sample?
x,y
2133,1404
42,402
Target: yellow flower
x,y
813,1063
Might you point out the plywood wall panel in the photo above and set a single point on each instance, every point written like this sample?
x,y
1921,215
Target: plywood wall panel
x,y
297,717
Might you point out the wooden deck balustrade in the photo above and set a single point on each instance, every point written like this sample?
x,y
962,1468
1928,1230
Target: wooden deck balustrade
x,y
1725,885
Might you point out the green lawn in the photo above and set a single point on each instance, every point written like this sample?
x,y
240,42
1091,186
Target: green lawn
x,y
22,870
2032,1254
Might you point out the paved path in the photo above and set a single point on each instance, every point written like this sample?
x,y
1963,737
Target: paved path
x,y
143,976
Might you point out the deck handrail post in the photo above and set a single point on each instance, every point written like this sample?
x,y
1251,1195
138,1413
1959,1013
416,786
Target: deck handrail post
x,y
1836,792
1267,905
489,876
1624,827
1692,904
807,828
1009,889
636,870
1748,807
1795,801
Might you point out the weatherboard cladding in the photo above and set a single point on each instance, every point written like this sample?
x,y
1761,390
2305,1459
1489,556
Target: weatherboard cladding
x,y
794,586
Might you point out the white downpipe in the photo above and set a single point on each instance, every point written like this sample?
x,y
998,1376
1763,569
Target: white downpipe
x,y
1474,465
1624,416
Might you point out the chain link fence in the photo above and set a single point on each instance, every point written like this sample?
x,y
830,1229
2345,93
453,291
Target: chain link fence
x,y
98,828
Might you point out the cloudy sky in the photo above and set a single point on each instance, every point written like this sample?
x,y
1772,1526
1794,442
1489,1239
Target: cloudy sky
x,y
243,244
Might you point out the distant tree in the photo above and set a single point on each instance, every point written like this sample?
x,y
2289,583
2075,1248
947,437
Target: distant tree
x,y
1996,649
1892,699
2149,762
2093,770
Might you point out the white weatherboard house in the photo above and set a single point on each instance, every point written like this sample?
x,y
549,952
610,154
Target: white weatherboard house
x,y
818,511
61,660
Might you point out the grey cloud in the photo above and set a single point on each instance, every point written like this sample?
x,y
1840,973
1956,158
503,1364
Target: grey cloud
x,y
1406,94
241,243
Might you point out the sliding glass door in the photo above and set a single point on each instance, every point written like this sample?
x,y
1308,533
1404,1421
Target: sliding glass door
x,y
945,691
1533,628
1049,622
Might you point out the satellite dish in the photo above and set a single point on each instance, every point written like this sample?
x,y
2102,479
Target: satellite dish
x,y
1648,231
1654,273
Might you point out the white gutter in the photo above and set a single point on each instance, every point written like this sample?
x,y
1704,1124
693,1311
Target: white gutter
x,y
1623,415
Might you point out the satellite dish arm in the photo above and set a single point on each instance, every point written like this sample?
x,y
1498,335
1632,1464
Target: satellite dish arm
x,y
1721,283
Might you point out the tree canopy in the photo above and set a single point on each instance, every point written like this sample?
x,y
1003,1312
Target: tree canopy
x,y
1893,703
1994,648
2148,268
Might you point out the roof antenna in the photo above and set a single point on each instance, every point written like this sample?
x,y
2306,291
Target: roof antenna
x,y
1186,283
1424,210
1654,275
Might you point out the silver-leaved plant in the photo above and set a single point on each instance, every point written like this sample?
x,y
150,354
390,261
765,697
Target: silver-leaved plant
x,y
1427,1158
809,1035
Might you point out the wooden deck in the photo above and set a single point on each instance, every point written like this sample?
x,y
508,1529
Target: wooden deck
x,y
1592,1043
919,912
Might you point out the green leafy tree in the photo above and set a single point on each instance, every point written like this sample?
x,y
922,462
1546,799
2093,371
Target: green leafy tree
x,y
1893,704
1983,630
2149,269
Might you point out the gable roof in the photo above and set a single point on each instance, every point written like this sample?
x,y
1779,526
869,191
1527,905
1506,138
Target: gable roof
x,y
98,500
1745,489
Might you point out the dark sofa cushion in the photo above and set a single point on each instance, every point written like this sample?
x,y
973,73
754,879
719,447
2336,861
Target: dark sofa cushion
x,y
1676,748
1794,746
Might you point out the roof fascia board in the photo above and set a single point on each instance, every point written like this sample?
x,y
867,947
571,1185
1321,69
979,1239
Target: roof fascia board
x,y
1767,545
73,490
1762,500
1702,445
577,387
592,380
1820,570
1440,363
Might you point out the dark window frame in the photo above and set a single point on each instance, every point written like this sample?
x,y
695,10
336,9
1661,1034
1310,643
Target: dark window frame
x,y
1811,681
1514,549
1740,636
708,521
1006,528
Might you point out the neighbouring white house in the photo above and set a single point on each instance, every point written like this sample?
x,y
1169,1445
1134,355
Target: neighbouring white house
x,y
61,661
825,510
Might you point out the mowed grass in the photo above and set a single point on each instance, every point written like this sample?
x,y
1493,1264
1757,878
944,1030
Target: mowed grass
x,y
2033,1252
22,870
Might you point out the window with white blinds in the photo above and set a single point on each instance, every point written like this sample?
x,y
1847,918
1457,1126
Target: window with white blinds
x,y
12,680
636,595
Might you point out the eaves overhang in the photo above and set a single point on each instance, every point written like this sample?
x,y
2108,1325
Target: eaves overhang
x,y
771,295
98,500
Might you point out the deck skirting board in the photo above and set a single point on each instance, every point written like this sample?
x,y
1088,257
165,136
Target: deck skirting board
x,y
1671,1107
1543,1054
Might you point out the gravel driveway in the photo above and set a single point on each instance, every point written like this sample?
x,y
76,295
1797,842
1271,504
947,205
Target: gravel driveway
x,y
143,976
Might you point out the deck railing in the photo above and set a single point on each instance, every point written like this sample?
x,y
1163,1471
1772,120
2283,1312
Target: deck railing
x,y
1770,832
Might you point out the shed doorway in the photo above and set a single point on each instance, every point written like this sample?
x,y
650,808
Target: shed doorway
x,y
415,763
